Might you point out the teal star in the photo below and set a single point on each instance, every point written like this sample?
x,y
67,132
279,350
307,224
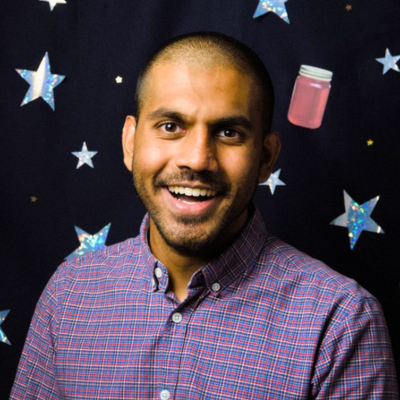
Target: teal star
x,y
357,218
273,181
276,6
3,337
389,62
89,242
42,83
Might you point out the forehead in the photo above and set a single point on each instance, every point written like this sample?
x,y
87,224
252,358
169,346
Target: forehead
x,y
211,89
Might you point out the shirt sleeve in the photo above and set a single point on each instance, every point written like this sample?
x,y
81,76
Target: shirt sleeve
x,y
35,377
355,359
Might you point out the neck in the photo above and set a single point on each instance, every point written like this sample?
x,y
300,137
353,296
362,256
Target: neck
x,y
181,266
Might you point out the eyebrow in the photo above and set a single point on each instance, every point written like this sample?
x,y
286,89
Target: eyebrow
x,y
231,120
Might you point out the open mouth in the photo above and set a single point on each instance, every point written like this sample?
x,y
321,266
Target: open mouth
x,y
191,195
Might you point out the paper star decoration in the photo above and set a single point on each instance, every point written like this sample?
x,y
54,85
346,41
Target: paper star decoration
x,y
357,218
42,83
3,337
348,7
118,79
85,156
88,242
370,142
33,199
276,6
389,62
274,181
53,3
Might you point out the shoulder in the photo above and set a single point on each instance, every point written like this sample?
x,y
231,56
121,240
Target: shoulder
x,y
110,263
309,283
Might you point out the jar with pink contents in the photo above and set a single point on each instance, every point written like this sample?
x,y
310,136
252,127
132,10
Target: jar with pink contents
x,y
309,98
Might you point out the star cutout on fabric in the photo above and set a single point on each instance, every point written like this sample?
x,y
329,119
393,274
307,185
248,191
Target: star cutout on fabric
x,y
349,7
357,218
370,142
3,337
33,199
88,242
53,3
85,156
118,79
42,83
273,181
276,6
389,62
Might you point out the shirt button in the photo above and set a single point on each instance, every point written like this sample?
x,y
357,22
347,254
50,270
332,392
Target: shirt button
x,y
177,317
164,394
158,272
216,287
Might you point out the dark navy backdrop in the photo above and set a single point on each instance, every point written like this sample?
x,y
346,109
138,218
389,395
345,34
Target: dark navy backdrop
x,y
94,41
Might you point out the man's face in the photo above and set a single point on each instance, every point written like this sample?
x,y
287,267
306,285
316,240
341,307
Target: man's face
x,y
198,153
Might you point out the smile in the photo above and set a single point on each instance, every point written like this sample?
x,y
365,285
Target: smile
x,y
191,200
192,192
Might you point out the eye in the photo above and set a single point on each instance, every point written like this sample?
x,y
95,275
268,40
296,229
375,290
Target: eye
x,y
229,134
170,127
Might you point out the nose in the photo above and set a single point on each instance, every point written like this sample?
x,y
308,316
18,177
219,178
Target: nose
x,y
197,151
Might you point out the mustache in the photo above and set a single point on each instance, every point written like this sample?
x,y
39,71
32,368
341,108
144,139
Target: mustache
x,y
205,177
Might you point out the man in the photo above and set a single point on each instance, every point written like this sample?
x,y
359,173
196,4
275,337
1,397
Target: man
x,y
204,303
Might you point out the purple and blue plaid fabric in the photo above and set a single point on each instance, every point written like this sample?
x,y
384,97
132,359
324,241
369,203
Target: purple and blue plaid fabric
x,y
262,321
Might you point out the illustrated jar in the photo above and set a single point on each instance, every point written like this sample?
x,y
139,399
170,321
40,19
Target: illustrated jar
x,y
309,98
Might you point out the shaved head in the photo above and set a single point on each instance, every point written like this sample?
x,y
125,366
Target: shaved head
x,y
209,50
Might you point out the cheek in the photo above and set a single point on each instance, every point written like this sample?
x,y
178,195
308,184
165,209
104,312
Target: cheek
x,y
149,158
242,167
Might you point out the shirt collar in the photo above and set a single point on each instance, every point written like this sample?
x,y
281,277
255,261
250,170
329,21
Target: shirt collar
x,y
220,272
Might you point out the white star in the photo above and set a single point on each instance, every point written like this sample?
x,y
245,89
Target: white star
x,y
53,3
274,181
389,62
85,156
118,79
42,83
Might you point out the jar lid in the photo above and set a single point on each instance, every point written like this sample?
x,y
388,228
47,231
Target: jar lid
x,y
317,73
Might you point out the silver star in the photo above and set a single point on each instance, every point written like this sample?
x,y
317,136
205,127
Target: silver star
x,y
53,3
357,218
85,156
389,62
274,181
42,83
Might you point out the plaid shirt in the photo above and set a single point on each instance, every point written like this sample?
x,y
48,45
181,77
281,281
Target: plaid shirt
x,y
262,321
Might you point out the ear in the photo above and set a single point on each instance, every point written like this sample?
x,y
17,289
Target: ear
x,y
128,140
270,152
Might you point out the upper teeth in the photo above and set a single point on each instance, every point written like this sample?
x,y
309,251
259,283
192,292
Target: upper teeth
x,y
192,192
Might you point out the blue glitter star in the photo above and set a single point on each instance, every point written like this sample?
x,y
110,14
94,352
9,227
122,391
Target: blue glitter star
x,y
276,6
389,62
3,337
89,242
42,83
85,156
357,218
273,181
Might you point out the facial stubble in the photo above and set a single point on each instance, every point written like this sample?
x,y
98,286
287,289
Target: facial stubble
x,y
197,241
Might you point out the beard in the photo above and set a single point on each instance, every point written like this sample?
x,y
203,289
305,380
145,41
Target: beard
x,y
195,235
